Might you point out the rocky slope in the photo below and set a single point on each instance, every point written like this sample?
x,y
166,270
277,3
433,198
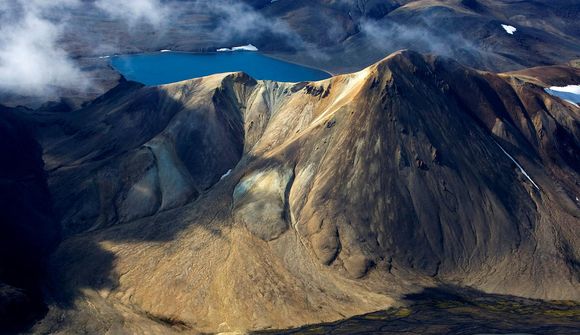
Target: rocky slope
x,y
360,32
343,196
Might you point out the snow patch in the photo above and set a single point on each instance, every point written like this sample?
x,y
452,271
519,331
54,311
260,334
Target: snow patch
x,y
226,174
570,93
103,57
249,47
569,89
519,166
165,50
509,29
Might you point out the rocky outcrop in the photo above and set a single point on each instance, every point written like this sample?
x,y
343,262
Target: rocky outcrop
x,y
261,202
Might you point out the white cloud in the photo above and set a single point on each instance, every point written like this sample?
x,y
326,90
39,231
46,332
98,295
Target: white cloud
x,y
238,21
133,12
392,36
32,63
33,60
236,18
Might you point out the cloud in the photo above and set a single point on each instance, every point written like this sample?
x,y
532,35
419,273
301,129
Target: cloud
x,y
238,21
33,58
235,19
134,12
391,36
32,62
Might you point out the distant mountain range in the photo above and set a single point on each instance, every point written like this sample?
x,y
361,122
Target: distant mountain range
x,y
338,36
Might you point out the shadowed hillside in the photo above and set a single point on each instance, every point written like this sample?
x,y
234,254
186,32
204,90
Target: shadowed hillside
x,y
28,229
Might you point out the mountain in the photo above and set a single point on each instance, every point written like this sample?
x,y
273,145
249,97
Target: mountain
x,y
348,35
470,31
229,204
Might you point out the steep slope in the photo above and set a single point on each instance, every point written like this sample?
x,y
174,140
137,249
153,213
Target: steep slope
x,y
344,195
138,150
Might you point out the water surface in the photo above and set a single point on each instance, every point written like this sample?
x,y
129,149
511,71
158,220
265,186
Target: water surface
x,y
168,67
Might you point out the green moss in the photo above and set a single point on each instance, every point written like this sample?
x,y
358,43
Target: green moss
x,y
377,317
446,304
403,312
563,312
315,331
568,303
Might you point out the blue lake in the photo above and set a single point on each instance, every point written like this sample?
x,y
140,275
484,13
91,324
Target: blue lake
x,y
168,67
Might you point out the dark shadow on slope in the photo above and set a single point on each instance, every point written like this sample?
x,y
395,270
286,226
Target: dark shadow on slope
x,y
131,134
101,156
28,229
